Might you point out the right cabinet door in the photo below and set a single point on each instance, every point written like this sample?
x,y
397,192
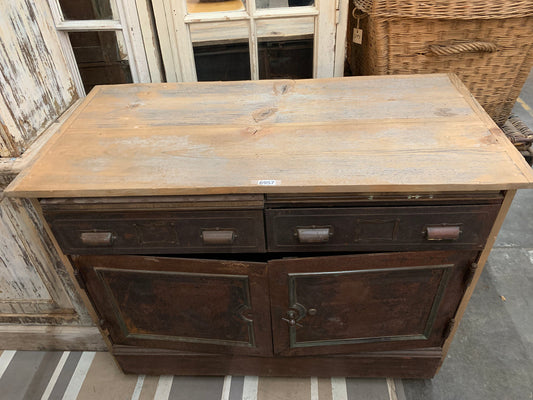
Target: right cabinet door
x,y
366,302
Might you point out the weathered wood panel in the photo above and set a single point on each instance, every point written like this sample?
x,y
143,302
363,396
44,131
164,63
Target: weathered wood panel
x,y
45,337
35,83
19,280
382,134
34,285
11,167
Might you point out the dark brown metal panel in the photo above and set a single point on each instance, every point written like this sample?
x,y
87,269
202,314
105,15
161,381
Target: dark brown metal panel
x,y
370,302
159,232
184,304
380,228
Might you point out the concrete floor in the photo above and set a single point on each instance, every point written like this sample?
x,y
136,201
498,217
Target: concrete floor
x,y
491,357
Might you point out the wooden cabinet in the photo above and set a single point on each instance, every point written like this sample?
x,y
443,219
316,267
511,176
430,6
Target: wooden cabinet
x,y
296,297
321,227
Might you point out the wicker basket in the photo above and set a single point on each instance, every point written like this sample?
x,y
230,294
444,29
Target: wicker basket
x,y
518,133
489,45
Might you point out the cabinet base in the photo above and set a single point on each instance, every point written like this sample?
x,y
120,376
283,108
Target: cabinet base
x,y
420,363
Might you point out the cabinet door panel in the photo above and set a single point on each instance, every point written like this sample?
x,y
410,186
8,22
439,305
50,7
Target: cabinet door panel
x,y
184,304
365,302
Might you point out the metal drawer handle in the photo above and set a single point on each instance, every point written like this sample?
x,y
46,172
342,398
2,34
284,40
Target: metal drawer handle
x,y
443,232
97,239
313,235
226,236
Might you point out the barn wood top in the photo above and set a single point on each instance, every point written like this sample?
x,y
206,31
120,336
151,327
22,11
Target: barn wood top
x,y
362,134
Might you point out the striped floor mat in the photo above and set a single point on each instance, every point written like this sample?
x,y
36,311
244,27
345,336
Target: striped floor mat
x,y
34,375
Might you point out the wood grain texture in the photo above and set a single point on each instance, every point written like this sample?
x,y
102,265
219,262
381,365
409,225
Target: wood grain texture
x,y
12,166
364,134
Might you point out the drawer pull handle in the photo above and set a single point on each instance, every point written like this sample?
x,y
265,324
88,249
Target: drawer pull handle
x,y
97,239
219,236
443,232
313,235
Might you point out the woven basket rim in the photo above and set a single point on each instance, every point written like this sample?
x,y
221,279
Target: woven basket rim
x,y
442,9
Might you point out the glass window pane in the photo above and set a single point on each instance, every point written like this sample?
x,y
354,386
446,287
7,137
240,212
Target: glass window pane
x,y
290,59
283,3
86,9
223,62
101,58
196,6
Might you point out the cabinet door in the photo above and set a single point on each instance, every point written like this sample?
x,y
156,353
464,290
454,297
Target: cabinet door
x,y
186,304
366,302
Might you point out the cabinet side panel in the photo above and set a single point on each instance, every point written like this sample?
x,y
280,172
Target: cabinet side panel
x,y
508,199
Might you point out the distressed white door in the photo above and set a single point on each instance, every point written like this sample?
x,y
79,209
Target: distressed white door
x,y
39,307
30,291
185,25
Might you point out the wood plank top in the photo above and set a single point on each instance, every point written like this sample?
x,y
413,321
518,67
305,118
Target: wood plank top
x,y
358,134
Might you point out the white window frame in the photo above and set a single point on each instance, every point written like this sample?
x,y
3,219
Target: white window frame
x,y
328,29
144,65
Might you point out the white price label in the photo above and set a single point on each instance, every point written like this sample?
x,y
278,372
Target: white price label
x,y
267,182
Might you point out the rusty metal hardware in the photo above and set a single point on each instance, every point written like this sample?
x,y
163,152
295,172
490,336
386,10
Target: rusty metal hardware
x,y
311,311
219,236
292,321
295,314
97,239
314,235
443,232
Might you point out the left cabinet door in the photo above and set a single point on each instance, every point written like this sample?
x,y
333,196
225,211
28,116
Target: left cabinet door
x,y
185,304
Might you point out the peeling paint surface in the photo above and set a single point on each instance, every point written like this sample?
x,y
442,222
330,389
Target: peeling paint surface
x,y
35,84
34,285
19,280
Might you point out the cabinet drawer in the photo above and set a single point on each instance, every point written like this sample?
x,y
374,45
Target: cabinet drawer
x,y
379,228
160,232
